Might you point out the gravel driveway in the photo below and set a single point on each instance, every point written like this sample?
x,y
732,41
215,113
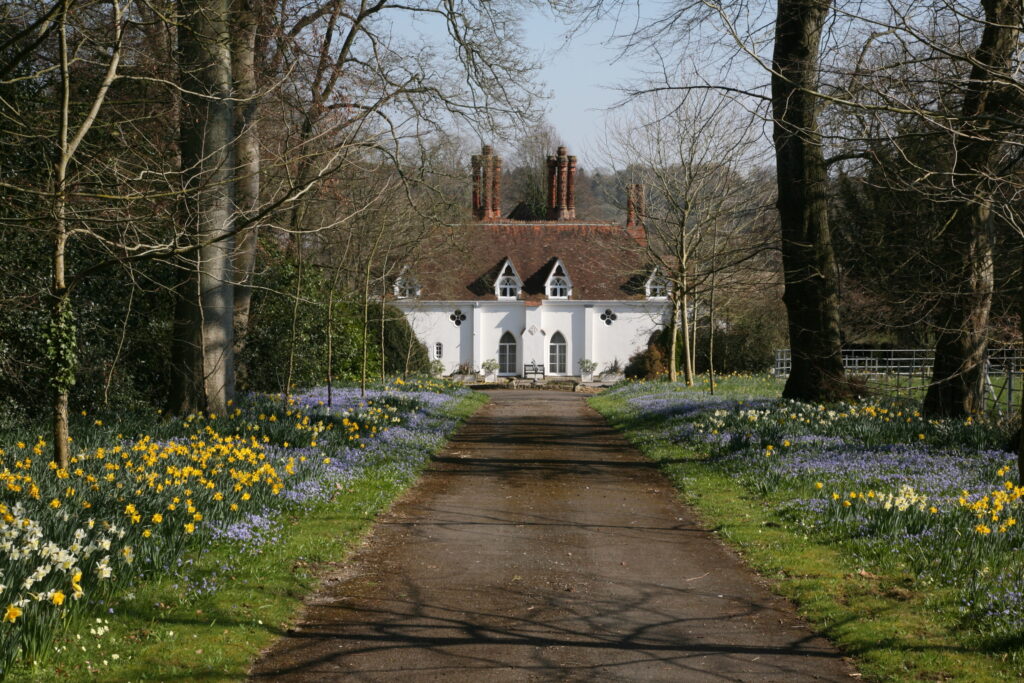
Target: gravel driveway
x,y
541,547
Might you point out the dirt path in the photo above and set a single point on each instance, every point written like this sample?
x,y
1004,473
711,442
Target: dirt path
x,y
542,547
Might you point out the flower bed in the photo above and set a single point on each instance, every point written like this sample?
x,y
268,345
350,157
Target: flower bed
x,y
933,499
129,509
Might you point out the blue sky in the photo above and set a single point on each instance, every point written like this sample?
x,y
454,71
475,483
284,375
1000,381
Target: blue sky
x,y
582,75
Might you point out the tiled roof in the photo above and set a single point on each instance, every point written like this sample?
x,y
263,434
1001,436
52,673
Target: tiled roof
x,y
603,261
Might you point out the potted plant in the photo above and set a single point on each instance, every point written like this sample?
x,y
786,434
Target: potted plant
x,y
587,368
613,373
490,368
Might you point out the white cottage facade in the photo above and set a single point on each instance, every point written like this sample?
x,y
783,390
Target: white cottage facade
x,y
536,294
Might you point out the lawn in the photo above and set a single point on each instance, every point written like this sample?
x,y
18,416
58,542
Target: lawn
x,y
182,550
897,536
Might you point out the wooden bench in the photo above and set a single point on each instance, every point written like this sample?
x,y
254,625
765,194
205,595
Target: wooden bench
x,y
533,371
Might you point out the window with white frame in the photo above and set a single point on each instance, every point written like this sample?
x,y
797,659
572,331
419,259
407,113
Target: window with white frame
x,y
508,287
508,284
657,287
557,355
558,288
406,288
558,284
507,356
438,350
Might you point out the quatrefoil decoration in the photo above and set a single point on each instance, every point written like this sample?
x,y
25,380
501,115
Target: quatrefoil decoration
x,y
608,316
457,317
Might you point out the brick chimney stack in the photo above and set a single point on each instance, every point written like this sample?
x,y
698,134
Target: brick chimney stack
x,y
486,184
635,207
561,186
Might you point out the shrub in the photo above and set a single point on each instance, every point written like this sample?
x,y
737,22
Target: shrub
x,y
264,362
649,363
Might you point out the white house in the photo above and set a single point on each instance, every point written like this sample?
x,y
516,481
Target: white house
x,y
544,293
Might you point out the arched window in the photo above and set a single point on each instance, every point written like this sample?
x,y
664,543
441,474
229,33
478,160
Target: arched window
x,y
507,362
508,288
438,350
556,355
558,288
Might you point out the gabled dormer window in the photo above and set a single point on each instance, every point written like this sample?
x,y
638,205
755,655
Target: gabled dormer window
x,y
509,283
406,287
558,288
657,286
558,285
508,288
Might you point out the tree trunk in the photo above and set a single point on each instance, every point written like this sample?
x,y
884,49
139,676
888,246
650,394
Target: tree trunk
x,y
330,348
808,260
204,328
958,378
381,328
687,366
364,339
63,340
711,332
293,340
1020,430
693,342
410,340
62,331
673,347
711,310
957,388
247,178
383,370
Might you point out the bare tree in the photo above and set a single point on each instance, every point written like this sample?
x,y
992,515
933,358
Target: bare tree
x,y
246,16
39,41
811,294
340,84
689,154
808,260
62,338
958,382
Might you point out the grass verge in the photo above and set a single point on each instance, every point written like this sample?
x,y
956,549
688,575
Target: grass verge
x,y
893,625
213,611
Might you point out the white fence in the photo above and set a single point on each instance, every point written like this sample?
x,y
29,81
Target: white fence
x,y
906,371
